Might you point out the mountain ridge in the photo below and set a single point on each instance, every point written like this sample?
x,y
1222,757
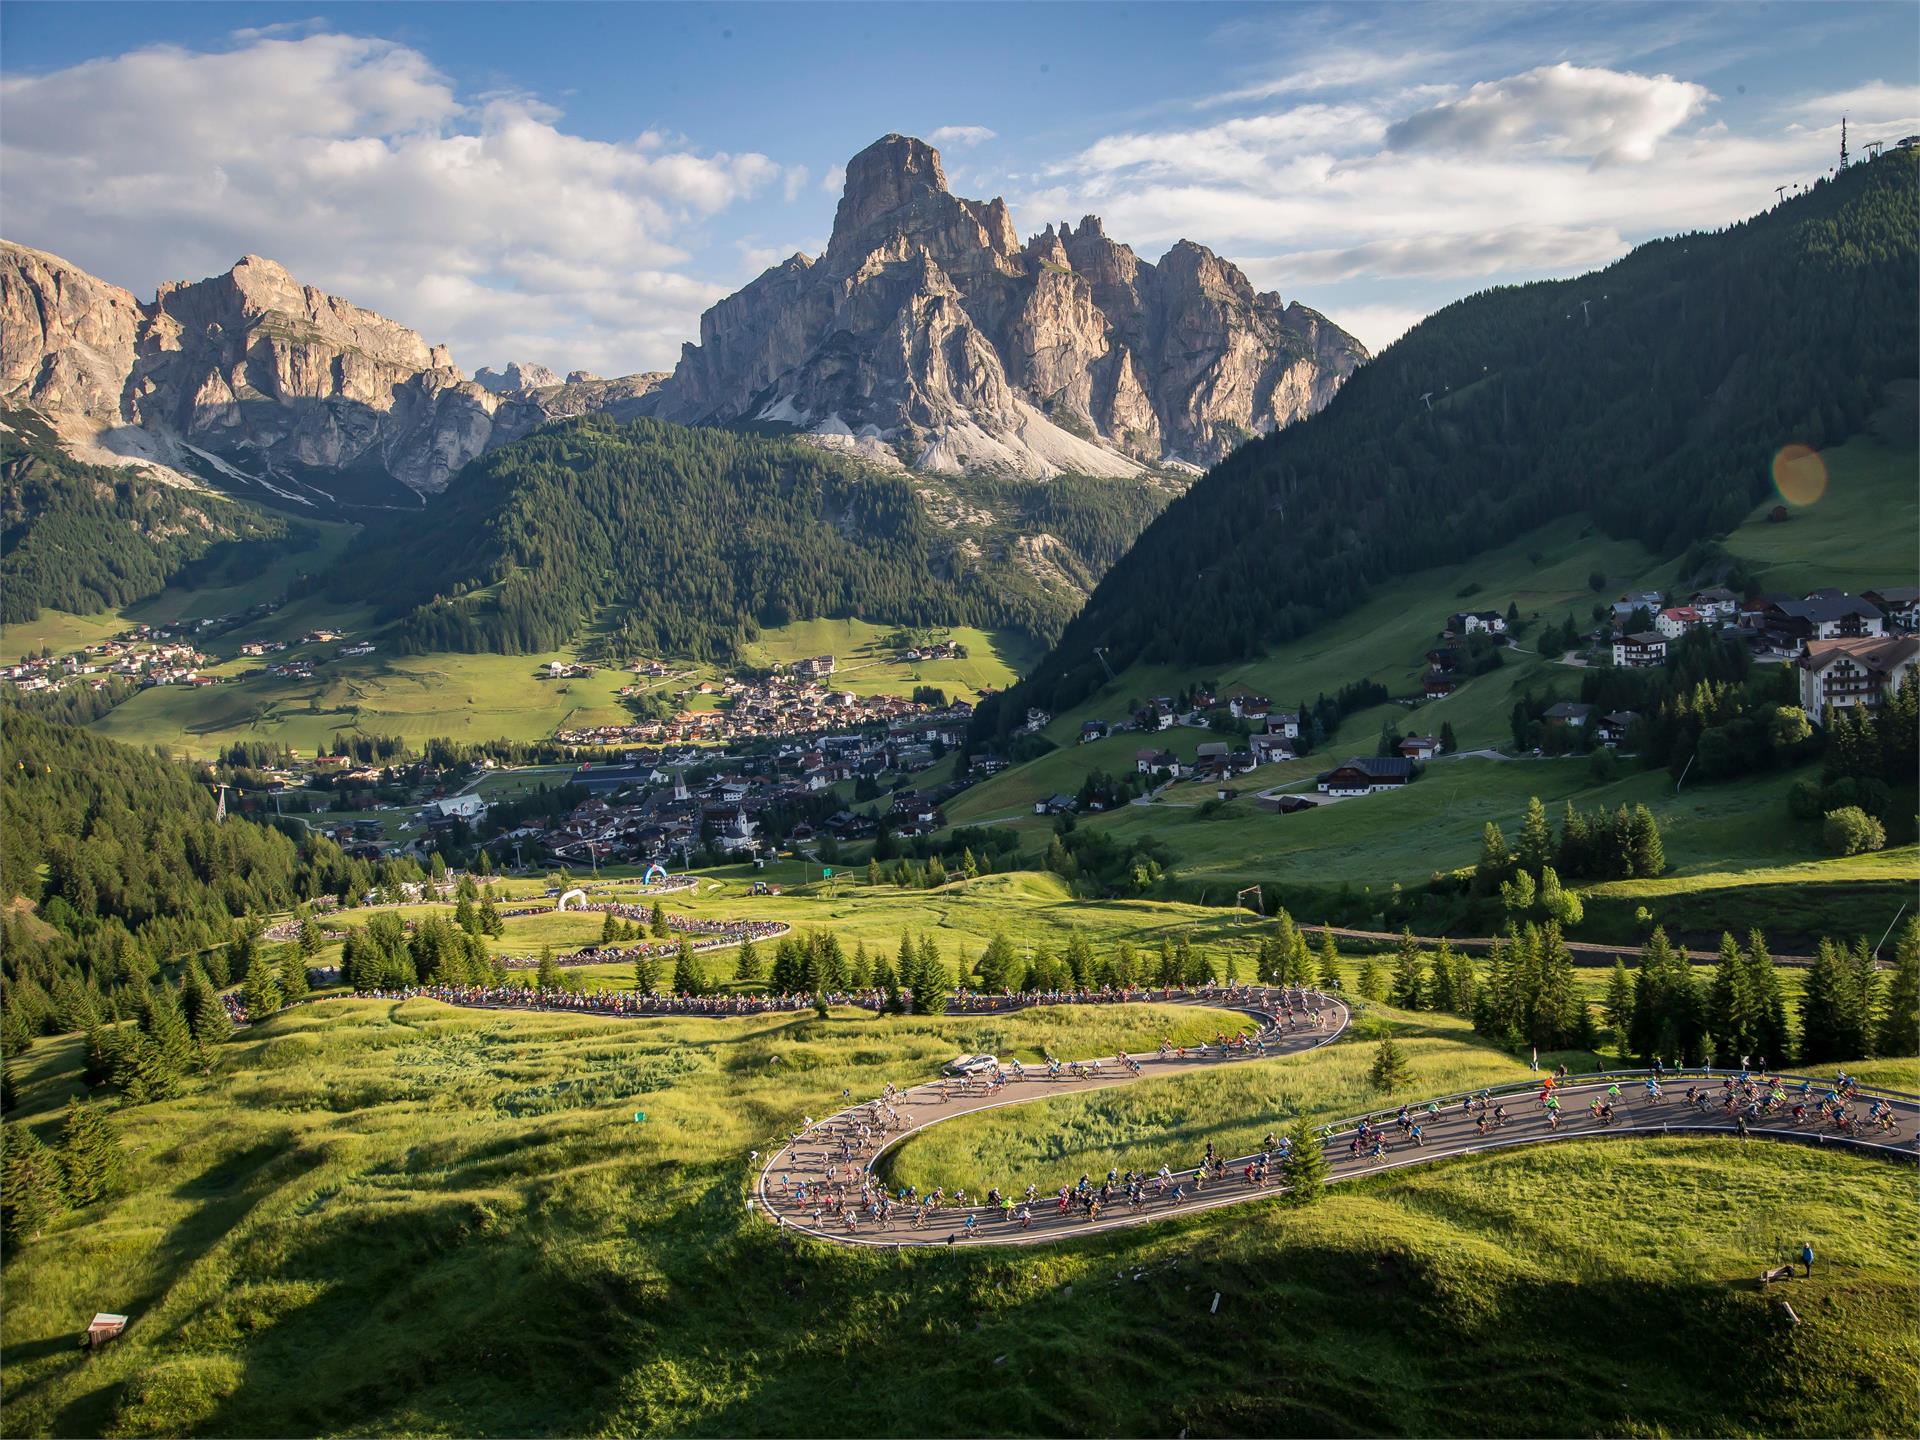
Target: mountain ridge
x,y
928,334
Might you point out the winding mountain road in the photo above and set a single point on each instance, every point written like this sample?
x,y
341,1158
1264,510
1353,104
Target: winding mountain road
x,y
843,1150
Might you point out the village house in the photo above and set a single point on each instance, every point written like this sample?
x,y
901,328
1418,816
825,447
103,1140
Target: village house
x,y
1647,600
1611,728
1469,622
1150,761
1640,651
1568,712
1715,605
1092,730
1420,748
1863,671
1271,748
1249,707
1365,774
1058,804
1284,722
1677,621
1900,604
1825,617
1436,685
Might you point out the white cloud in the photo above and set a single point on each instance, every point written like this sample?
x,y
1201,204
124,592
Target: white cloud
x,y
1875,103
835,180
477,220
1538,250
959,136
1376,326
1564,109
795,181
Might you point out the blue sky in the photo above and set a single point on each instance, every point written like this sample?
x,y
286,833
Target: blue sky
x,y
573,184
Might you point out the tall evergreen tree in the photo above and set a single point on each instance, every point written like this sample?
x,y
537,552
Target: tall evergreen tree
x,y
89,1155
1405,991
31,1194
1306,1167
1900,1024
746,964
293,976
261,990
1389,1071
686,974
1536,839
1330,977
1619,1007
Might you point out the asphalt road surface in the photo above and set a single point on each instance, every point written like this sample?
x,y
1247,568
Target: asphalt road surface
x,y
796,1180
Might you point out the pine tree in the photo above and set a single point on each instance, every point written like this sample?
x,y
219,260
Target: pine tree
x,y
931,987
1389,1071
468,918
142,1070
490,922
547,975
1465,983
1772,1037
657,921
89,1155
873,871
260,992
1536,839
746,964
293,976
1439,987
1330,977
1373,980
686,975
1494,861
1731,1004
860,971
1306,1167
1900,1026
888,983
1405,991
646,973
1619,1006
31,1196
163,1021
609,928
1645,850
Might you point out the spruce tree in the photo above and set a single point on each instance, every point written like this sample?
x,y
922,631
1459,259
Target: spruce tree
x,y
1772,1036
490,921
686,975
1439,985
1648,855
1825,1008
547,975
1373,981
646,974
1619,1007
657,921
293,976
746,964
1389,1071
89,1155
860,969
931,986
1731,1006
1306,1167
261,990
31,1194
1900,1024
1330,977
164,1022
1465,983
1536,839
1406,973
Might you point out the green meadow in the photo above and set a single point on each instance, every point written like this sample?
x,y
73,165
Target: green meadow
x,y
384,1218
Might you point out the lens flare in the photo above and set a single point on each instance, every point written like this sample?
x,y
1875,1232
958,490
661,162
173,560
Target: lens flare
x,y
1799,474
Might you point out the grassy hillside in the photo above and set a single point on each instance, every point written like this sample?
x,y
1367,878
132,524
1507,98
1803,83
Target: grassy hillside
x,y
403,1218
1858,534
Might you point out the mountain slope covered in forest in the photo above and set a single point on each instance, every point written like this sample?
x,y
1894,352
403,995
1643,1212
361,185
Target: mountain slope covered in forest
x,y
684,541
1650,396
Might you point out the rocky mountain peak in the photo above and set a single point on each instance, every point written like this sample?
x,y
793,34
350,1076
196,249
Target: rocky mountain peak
x,y
893,173
516,377
929,332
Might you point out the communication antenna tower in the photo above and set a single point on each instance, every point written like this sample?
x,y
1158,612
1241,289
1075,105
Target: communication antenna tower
x,y
1427,400
1843,142
1584,315
1779,193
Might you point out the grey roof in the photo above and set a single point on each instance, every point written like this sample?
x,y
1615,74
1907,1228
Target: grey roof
x,y
1381,767
1821,608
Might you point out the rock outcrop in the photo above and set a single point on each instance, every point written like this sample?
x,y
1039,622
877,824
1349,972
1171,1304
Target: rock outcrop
x,y
260,377
928,332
